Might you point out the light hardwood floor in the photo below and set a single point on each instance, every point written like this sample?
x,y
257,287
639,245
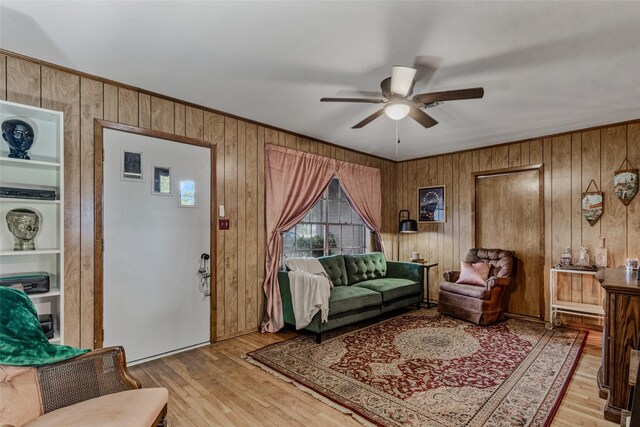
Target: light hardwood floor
x,y
214,386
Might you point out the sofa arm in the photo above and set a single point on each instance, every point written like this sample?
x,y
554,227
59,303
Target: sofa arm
x,y
451,276
285,296
406,270
498,281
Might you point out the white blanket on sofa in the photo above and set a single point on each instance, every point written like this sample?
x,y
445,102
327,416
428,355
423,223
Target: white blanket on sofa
x,y
310,290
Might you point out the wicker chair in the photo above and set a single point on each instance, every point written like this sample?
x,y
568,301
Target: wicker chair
x,y
94,389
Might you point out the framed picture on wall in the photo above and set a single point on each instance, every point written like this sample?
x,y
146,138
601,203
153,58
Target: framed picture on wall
x,y
161,180
431,204
132,166
188,194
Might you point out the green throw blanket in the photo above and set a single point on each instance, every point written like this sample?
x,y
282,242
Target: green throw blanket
x,y
22,342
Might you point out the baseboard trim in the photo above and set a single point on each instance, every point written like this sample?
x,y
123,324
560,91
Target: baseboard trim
x,y
168,353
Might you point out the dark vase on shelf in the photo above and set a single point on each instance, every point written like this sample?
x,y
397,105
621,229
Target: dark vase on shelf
x,y
19,136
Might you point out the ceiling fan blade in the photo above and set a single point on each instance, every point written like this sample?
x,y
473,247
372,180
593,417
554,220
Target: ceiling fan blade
x,y
449,95
360,93
369,119
427,67
421,117
402,79
364,100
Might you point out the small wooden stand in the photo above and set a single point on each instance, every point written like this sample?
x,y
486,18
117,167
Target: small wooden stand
x,y
427,267
568,307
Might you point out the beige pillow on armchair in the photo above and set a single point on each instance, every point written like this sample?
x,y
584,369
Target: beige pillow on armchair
x,y
474,274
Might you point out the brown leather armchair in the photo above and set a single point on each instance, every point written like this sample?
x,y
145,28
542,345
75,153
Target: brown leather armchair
x,y
482,305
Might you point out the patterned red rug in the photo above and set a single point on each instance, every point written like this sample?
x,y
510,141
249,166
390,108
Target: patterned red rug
x,y
423,369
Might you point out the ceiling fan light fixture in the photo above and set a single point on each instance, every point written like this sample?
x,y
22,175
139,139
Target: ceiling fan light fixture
x,y
402,79
397,111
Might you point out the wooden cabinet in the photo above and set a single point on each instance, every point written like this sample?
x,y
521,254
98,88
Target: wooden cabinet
x,y
44,169
620,336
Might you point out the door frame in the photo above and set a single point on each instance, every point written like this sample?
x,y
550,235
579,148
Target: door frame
x,y
98,175
474,217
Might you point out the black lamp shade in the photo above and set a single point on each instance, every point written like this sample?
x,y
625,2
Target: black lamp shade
x,y
408,226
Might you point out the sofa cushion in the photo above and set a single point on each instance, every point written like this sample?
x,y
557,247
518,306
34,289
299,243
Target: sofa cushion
x,y
472,291
391,288
348,298
128,408
335,268
365,267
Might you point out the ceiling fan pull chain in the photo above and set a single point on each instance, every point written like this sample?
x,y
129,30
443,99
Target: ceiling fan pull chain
x,y
397,140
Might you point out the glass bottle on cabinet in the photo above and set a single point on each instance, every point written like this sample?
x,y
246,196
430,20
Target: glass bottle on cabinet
x,y
43,171
601,254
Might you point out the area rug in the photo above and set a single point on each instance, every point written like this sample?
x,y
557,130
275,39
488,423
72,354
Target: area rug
x,y
424,369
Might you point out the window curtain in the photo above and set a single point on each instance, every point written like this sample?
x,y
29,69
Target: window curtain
x,y
294,180
361,184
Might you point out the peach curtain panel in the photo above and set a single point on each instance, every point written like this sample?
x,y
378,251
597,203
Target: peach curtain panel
x,y
294,182
361,184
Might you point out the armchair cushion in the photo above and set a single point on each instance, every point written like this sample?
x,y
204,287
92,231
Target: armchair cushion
x,y
127,408
473,273
473,291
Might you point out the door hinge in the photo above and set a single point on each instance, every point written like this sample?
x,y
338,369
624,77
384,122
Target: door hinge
x,y
102,336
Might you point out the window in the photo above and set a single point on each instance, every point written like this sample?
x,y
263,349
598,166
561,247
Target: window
x,y
331,227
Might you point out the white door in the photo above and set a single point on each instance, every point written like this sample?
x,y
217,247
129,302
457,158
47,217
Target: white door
x,y
153,301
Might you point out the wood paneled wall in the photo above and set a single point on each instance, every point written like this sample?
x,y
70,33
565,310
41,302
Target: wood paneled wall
x,y
570,161
240,182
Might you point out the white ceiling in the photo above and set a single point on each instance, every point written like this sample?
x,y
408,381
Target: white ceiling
x,y
546,67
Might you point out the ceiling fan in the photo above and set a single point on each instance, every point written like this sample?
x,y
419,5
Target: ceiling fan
x,y
395,94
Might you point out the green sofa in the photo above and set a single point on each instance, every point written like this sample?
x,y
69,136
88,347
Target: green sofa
x,y
365,286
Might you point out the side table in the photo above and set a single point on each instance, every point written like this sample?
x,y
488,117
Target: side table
x,y
427,267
